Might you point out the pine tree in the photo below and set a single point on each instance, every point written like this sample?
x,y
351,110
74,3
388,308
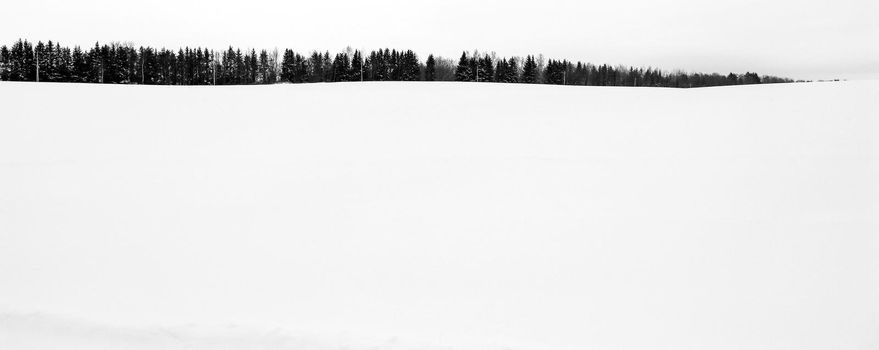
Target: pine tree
x,y
120,66
475,74
40,57
65,64
253,67
394,65
234,66
500,71
512,75
263,70
379,66
80,69
4,63
287,66
430,69
529,71
317,67
750,78
198,67
409,66
209,66
20,65
328,66
356,73
341,67
485,68
51,62
732,79
462,72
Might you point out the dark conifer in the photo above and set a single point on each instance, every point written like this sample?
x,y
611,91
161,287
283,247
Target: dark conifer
x,y
529,71
462,73
356,72
430,69
4,63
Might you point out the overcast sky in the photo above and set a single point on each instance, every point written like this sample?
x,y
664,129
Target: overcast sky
x,y
805,39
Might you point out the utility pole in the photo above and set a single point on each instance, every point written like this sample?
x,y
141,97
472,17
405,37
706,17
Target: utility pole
x,y
38,63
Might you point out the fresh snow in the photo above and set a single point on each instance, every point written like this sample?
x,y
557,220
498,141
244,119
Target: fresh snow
x,y
419,216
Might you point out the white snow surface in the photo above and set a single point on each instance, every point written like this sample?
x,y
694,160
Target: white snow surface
x,y
404,216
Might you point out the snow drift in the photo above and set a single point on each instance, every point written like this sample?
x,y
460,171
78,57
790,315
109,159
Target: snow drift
x,y
439,216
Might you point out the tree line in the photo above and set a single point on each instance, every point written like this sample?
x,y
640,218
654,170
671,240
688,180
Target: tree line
x,y
120,63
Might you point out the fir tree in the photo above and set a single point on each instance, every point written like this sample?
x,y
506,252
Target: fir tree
x,y
430,69
40,58
529,71
356,73
512,71
287,66
485,69
317,67
4,63
253,67
263,69
409,70
341,67
462,73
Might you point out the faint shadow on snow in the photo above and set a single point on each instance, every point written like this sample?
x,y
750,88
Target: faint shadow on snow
x,y
42,331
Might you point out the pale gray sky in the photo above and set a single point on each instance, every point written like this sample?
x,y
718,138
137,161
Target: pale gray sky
x,y
806,39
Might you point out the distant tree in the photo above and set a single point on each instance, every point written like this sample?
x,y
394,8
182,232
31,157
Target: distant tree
x,y
274,67
120,57
287,66
376,66
554,73
408,66
263,68
485,67
80,71
4,63
512,72
40,56
240,64
500,71
301,69
769,79
529,71
750,78
445,69
356,72
327,66
253,68
462,73
317,67
341,67
430,69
